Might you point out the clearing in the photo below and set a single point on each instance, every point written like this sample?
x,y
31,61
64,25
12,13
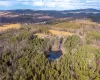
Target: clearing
x,y
60,33
56,33
10,26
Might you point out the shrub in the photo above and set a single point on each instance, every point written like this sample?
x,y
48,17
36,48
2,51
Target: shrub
x,y
93,36
72,42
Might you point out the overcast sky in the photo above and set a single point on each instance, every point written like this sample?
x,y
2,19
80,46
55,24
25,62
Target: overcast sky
x,y
49,4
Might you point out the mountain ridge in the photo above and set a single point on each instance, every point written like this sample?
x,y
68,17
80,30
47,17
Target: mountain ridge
x,y
35,16
88,9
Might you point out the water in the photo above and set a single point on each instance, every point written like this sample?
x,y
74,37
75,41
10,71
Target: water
x,y
54,55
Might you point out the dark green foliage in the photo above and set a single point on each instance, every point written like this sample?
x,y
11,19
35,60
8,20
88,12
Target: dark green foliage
x,y
93,36
81,63
72,42
22,57
43,30
40,45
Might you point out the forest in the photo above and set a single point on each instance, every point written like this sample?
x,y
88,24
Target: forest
x,y
24,54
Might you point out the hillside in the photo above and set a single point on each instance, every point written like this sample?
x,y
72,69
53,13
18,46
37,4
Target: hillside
x,y
50,45
31,16
62,50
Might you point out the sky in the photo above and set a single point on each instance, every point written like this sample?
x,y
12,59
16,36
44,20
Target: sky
x,y
49,4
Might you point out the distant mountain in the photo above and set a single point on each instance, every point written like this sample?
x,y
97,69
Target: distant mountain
x,y
31,11
83,10
35,16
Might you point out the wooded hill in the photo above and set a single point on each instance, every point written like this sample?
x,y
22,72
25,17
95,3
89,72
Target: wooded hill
x,y
23,55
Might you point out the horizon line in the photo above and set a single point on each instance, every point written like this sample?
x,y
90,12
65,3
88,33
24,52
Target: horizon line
x,y
48,9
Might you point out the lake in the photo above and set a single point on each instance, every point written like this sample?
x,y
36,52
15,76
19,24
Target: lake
x,y
54,55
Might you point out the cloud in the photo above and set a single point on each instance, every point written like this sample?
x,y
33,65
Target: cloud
x,y
37,3
52,4
5,3
64,4
92,1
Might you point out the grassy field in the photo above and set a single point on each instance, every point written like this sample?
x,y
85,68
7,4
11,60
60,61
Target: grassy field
x,y
66,25
75,24
60,33
54,32
9,26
